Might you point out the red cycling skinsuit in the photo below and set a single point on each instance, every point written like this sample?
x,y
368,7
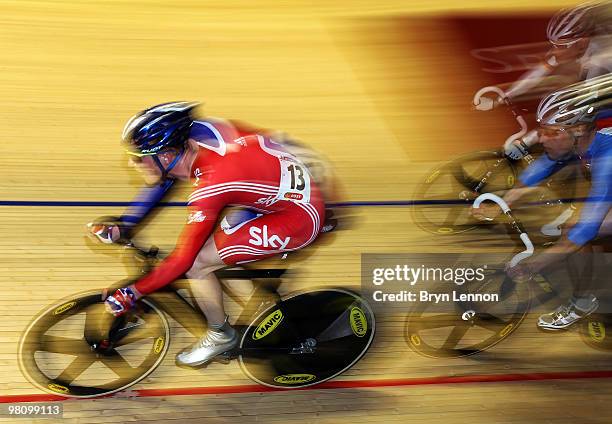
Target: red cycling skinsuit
x,y
252,172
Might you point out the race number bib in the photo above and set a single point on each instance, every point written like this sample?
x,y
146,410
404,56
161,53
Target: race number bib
x,y
294,182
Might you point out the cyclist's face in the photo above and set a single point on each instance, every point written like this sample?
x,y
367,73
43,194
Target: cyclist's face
x,y
147,168
570,51
557,142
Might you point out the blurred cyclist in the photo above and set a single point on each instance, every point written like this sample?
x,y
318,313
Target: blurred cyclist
x,y
575,127
581,48
228,163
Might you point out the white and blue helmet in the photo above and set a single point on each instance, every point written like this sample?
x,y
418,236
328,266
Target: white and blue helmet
x,y
576,104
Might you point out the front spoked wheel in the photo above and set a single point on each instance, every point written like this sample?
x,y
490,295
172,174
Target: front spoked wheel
x,y
446,192
473,325
75,348
307,338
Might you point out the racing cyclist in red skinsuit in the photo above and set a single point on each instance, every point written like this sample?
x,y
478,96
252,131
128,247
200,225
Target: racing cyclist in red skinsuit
x,y
254,172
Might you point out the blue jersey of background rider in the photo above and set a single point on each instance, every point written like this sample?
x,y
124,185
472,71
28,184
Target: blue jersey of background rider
x,y
599,202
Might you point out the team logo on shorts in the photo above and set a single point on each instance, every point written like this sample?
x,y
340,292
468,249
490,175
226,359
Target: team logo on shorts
x,y
260,237
196,216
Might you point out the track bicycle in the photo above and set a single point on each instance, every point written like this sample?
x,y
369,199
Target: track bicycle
x,y
474,326
446,192
75,348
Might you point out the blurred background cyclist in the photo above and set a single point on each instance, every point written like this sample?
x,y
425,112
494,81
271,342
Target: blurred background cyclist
x,y
581,49
575,127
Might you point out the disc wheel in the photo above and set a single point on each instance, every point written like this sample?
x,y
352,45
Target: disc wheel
x,y
56,351
446,192
468,327
307,338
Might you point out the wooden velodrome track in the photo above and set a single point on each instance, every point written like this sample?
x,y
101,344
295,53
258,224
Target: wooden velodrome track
x,y
326,73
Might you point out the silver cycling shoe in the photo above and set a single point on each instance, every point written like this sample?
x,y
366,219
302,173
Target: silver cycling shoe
x,y
208,347
566,315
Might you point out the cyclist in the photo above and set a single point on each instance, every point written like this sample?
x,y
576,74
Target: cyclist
x,y
575,127
581,48
229,164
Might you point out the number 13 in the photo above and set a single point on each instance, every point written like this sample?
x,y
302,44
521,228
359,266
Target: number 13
x,y
294,169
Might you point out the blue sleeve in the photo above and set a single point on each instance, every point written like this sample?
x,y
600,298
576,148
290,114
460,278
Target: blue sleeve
x,y
146,200
539,170
599,202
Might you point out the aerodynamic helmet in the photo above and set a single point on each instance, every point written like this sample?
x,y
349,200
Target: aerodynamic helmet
x,y
576,104
159,128
569,25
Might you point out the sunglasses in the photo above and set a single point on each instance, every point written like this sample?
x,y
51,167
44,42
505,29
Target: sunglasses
x,y
566,44
137,156
550,132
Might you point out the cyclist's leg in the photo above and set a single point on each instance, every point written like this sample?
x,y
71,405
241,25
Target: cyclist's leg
x,y
250,238
585,256
292,228
593,261
598,265
206,289
208,294
580,271
582,268
205,286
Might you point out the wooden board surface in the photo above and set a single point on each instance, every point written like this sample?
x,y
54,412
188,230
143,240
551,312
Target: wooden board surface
x,y
73,72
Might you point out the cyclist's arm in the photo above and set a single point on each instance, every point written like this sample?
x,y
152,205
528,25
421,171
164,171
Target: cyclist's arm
x,y
540,169
599,202
594,211
597,60
202,219
146,200
519,147
571,242
534,174
110,229
516,193
531,177
552,255
531,138
531,79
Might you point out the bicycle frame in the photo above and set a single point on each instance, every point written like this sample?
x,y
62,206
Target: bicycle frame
x,y
521,121
172,303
